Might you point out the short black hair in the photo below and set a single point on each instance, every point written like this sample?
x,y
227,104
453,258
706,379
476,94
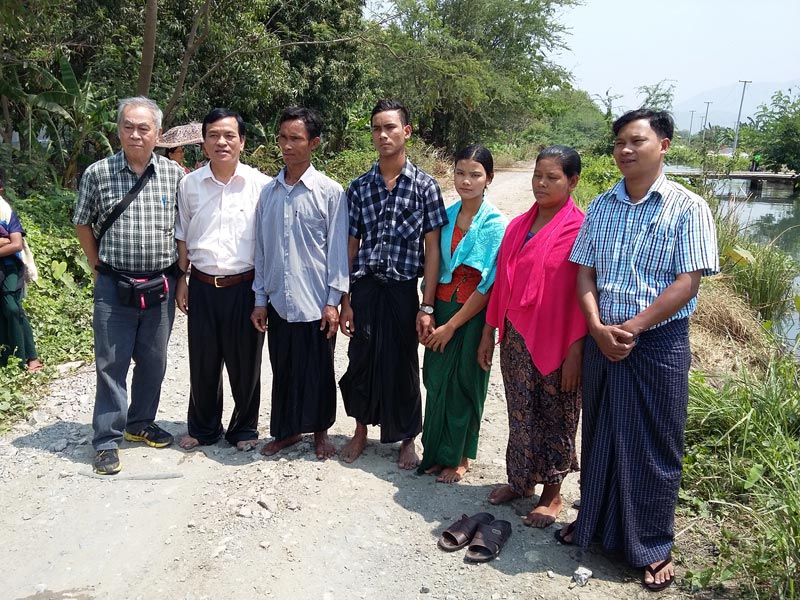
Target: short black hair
x,y
309,117
567,158
660,121
388,104
479,154
217,114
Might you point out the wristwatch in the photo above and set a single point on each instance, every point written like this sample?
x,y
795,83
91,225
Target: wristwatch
x,y
426,308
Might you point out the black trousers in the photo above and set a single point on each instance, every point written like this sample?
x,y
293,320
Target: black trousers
x,y
220,332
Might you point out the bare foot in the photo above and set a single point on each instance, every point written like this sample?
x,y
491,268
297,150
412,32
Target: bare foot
x,y
246,445
434,470
323,445
187,442
454,474
504,493
548,508
408,458
356,445
34,365
276,446
665,574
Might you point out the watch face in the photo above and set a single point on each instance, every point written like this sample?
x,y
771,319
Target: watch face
x,y
428,310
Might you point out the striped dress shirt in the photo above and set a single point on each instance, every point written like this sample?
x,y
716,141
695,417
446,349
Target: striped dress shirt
x,y
638,249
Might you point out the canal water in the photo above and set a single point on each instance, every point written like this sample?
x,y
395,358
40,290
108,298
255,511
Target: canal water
x,y
767,219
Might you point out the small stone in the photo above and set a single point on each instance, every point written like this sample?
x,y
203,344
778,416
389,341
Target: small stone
x,y
26,517
245,512
424,590
59,446
191,524
40,588
551,575
581,576
218,550
292,504
265,545
64,474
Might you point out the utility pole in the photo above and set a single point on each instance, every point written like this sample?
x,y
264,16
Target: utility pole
x,y
691,122
744,83
705,119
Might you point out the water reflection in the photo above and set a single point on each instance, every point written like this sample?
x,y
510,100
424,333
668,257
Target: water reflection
x,y
768,220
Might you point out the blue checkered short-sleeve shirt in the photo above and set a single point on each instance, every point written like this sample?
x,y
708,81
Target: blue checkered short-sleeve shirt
x,y
638,249
392,224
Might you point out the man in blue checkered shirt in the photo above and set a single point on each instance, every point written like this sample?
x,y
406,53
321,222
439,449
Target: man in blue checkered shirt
x,y
140,244
642,250
396,213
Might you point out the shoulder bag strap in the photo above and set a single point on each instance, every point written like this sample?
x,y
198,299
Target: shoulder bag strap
x,y
126,200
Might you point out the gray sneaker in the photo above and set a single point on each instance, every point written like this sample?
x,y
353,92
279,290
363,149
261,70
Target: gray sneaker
x,y
106,462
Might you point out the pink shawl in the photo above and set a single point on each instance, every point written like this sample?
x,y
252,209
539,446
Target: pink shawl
x,y
536,286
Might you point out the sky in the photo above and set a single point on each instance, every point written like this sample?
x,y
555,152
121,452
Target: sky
x,y
699,45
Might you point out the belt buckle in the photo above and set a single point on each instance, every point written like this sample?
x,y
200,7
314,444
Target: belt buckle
x,y
216,283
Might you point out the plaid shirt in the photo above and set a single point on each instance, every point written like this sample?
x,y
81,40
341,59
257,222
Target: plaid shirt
x,y
142,239
638,249
391,224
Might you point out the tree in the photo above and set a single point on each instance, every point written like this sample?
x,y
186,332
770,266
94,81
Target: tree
x,y
778,125
469,68
658,96
148,48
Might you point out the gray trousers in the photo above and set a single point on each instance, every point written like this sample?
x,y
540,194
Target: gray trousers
x,y
122,333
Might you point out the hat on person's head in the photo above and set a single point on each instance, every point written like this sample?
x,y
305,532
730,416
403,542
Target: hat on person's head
x,y
181,135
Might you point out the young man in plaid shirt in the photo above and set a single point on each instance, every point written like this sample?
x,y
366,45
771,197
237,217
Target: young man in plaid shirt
x,y
396,213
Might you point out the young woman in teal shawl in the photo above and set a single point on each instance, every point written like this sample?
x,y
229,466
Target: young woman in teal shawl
x,y
455,384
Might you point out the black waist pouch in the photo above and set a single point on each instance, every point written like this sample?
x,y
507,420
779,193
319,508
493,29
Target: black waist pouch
x,y
141,292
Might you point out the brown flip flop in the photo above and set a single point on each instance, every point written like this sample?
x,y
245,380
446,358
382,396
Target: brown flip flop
x,y
460,533
488,541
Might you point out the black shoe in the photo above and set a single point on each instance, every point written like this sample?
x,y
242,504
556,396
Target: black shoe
x,y
106,462
152,435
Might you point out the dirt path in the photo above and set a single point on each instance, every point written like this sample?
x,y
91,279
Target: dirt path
x,y
224,524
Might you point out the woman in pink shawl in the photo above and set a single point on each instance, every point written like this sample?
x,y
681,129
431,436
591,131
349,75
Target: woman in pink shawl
x,y
535,306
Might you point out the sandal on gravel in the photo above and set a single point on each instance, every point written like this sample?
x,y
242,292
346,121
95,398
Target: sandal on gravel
x,y
488,541
460,533
568,530
657,587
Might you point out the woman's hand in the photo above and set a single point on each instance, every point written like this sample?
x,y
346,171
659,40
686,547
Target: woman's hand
x,y
571,368
440,337
486,348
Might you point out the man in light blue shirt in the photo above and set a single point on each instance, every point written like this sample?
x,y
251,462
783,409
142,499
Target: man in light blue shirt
x,y
642,250
301,273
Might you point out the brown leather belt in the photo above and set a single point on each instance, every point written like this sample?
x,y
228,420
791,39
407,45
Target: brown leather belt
x,y
221,281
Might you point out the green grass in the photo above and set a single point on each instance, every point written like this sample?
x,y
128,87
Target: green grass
x,y
58,305
742,472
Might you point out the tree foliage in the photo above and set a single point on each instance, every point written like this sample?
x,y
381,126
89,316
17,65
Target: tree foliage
x,y
254,58
778,126
469,68
658,96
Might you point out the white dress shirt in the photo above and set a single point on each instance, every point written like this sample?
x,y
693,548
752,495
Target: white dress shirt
x,y
217,220
301,246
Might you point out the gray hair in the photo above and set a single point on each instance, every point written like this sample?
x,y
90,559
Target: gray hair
x,y
139,101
